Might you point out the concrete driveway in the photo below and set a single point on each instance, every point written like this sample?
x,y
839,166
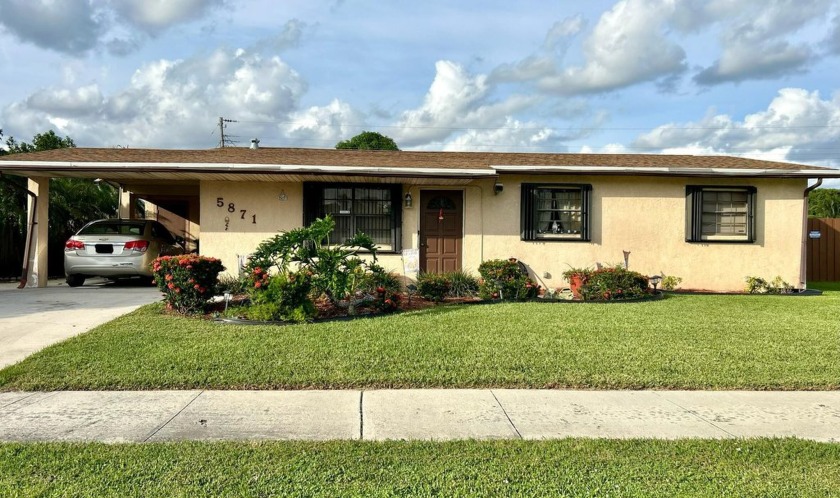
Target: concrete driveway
x,y
32,318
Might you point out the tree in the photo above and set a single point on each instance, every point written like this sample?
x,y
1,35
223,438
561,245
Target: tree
x,y
824,203
73,202
370,140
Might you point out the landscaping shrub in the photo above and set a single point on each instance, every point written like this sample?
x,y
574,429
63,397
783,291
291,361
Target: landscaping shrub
x,y
333,270
609,284
187,281
506,280
757,285
670,282
433,286
284,296
461,284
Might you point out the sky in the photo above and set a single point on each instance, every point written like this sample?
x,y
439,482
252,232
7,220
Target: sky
x,y
751,78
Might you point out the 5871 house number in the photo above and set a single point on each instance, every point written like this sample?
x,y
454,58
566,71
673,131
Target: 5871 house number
x,y
230,207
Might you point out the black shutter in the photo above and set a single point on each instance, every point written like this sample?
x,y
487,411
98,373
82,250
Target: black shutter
x,y
586,201
751,194
396,213
694,206
526,223
313,200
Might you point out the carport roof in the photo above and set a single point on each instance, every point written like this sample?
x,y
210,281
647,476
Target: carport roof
x,y
230,162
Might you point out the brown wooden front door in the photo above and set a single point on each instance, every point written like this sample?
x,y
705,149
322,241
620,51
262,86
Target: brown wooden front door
x,y
441,230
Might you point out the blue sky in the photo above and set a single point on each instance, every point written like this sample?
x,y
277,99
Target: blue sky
x,y
742,77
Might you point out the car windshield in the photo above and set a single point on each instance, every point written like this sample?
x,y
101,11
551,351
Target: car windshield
x,y
113,228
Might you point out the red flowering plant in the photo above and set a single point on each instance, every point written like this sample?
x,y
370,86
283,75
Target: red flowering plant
x,y
615,283
187,281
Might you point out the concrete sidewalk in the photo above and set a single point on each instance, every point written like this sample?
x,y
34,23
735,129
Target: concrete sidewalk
x,y
439,414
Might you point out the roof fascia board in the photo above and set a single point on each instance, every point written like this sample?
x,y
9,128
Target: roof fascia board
x,y
667,171
249,168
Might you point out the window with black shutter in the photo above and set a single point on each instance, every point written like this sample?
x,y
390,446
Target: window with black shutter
x,y
720,214
372,209
555,212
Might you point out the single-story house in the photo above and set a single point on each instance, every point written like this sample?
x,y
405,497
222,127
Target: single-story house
x,y
711,220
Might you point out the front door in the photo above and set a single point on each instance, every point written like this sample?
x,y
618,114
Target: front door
x,y
441,230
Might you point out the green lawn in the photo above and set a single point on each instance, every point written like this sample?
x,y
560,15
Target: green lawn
x,y
570,467
682,342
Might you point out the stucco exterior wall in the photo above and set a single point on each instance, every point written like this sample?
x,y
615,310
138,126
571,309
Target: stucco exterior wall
x,y
643,215
647,217
243,233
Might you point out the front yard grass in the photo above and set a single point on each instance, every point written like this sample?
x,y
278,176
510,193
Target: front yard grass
x,y
570,467
682,342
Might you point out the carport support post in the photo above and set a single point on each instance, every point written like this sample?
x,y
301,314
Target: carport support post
x,y
125,211
37,276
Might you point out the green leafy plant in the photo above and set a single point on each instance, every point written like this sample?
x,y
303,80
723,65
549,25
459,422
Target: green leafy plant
x,y
187,281
433,286
670,282
583,273
461,284
614,283
336,270
284,296
506,280
757,285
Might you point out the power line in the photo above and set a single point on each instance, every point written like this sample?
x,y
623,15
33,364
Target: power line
x,y
225,140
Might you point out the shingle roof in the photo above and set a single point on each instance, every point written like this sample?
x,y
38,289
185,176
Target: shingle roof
x,y
268,157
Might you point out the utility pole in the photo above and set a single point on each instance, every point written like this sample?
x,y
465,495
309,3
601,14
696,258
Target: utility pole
x,y
224,140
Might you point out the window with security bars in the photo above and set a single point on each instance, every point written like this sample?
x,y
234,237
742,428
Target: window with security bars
x,y
720,214
368,208
555,212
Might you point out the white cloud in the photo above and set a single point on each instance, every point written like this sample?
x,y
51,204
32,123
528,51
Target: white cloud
x,y
154,16
627,46
170,103
68,26
797,125
324,126
513,136
755,37
76,27
67,102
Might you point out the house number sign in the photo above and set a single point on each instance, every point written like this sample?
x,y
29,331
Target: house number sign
x,y
230,207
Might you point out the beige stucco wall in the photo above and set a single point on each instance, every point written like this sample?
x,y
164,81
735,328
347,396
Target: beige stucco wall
x,y
647,217
643,215
242,236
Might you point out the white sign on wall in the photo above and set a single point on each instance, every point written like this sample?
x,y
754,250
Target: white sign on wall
x,y
411,262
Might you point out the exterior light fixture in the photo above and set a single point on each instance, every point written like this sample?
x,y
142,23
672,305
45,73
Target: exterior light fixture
x,y
283,195
408,200
498,188
654,281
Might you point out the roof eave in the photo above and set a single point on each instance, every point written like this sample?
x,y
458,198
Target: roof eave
x,y
669,171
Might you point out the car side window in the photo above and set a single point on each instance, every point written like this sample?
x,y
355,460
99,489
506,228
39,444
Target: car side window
x,y
160,231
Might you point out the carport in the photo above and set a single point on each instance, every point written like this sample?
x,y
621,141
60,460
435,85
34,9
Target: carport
x,y
169,198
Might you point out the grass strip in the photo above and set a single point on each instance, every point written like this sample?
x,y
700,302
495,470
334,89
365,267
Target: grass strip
x,y
571,467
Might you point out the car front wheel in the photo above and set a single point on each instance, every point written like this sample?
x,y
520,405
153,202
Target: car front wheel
x,y
75,280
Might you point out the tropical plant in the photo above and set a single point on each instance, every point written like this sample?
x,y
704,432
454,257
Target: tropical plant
x,y
336,270
758,285
187,281
461,284
505,279
433,286
613,283
824,203
671,282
